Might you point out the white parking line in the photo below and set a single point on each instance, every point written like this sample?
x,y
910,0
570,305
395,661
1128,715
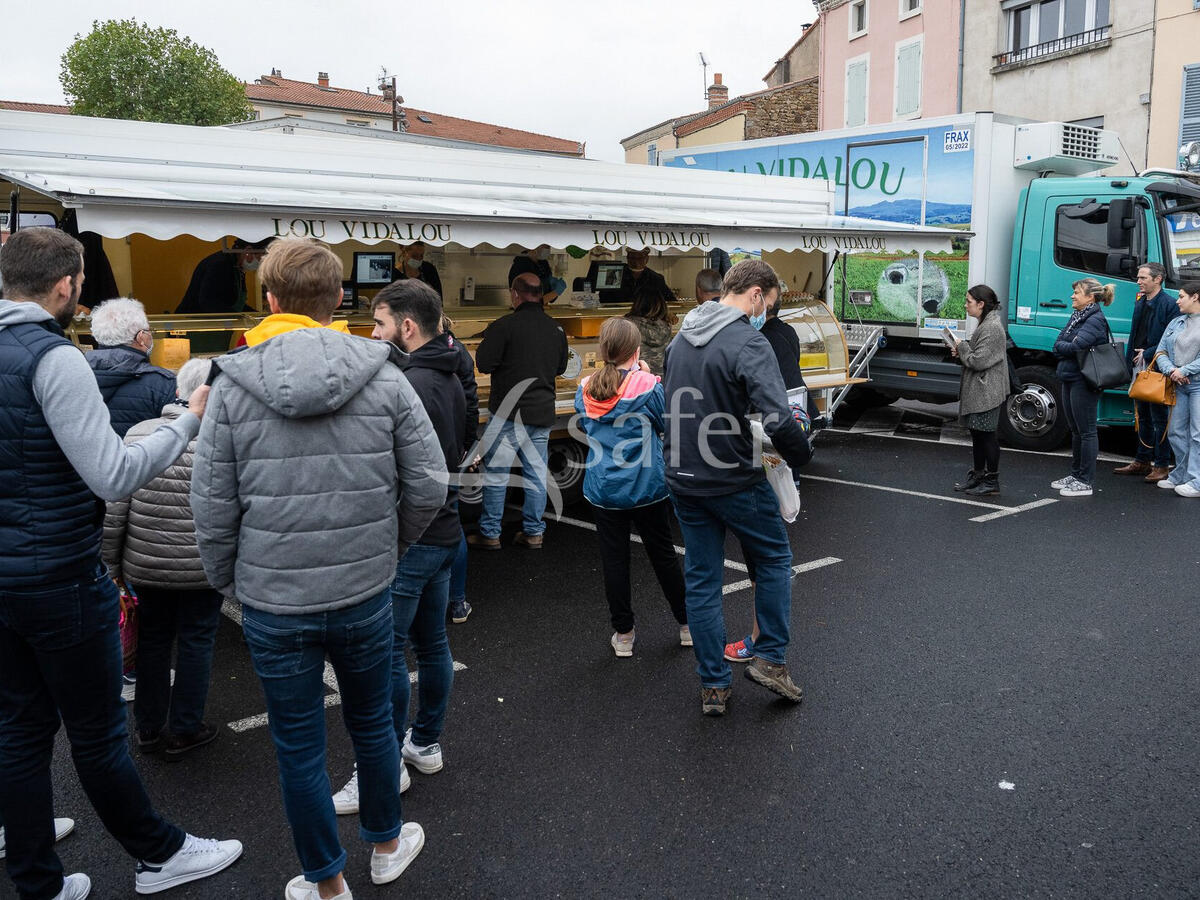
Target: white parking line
x,y
999,511
736,586
1013,510
881,432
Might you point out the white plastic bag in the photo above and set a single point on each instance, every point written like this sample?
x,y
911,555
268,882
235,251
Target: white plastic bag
x,y
779,475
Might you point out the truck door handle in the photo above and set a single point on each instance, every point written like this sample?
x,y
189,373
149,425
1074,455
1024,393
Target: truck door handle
x,y
1054,304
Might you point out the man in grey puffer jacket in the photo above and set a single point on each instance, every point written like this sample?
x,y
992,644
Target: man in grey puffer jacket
x,y
315,464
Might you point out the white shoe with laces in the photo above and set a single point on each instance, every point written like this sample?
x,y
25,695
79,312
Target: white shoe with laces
x,y
1062,482
387,867
75,887
1185,490
1076,489
62,827
197,858
1166,484
685,636
300,889
426,759
345,801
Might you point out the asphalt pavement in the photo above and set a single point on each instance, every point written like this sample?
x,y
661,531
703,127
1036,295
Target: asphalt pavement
x,y
1000,701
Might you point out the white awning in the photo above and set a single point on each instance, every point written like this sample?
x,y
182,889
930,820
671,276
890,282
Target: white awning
x,y
168,180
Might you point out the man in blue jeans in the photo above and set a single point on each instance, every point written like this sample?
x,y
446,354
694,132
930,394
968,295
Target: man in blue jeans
x,y
717,368
524,352
60,649
315,464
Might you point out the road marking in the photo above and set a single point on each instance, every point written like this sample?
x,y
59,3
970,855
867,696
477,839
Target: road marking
x,y
796,570
1013,510
1101,457
999,511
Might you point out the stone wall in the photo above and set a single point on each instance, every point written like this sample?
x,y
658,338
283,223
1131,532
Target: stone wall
x,y
789,111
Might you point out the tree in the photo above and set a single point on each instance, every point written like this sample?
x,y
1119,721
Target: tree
x,y
127,70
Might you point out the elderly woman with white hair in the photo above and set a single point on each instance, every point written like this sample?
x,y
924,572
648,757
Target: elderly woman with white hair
x,y
133,389
150,544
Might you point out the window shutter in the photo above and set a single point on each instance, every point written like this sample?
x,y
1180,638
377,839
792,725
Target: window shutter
x,y
1189,117
856,94
908,80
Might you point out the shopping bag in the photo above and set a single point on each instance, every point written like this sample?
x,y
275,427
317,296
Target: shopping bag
x,y
1153,386
779,476
128,625
1103,366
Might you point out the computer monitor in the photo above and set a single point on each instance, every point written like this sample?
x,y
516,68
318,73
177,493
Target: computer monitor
x,y
349,295
608,276
373,269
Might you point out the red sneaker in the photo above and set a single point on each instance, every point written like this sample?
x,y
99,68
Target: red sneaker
x,y
741,651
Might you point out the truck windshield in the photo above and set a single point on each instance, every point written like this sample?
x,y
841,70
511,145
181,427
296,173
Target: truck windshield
x,y
1180,217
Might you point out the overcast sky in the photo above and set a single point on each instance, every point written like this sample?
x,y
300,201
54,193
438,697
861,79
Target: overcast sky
x,y
600,75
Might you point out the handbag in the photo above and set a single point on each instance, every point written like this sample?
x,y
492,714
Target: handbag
x,y
1103,366
128,626
1152,386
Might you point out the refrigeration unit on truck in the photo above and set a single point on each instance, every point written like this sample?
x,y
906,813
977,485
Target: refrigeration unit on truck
x,y
1034,221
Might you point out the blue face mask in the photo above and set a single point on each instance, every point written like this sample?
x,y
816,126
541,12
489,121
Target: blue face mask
x,y
757,322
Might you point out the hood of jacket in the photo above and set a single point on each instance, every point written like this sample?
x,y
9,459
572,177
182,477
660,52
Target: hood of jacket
x,y
704,322
13,312
440,352
309,371
123,360
282,323
634,392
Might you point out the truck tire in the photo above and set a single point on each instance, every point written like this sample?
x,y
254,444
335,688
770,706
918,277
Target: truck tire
x,y
565,460
1034,419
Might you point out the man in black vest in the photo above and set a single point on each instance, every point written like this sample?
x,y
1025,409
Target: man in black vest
x,y
60,653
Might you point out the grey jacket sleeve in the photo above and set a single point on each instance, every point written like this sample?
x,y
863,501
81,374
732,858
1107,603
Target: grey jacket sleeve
x,y
112,548
66,389
757,367
216,507
420,465
983,349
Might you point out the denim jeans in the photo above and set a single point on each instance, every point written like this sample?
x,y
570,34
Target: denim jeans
x,y
752,514
60,655
1080,404
653,523
1185,434
1153,444
288,652
505,441
458,573
420,594
167,617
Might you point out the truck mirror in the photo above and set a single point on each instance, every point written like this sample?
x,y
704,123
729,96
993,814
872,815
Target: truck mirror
x,y
1084,209
1120,223
1120,265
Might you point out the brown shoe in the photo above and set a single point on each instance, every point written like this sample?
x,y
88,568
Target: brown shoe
x,y
1157,474
1136,467
774,677
529,541
713,700
483,543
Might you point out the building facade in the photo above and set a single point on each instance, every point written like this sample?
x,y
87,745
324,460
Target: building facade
x,y
1175,91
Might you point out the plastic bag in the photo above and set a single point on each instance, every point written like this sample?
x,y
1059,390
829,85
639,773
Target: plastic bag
x,y
779,475
128,626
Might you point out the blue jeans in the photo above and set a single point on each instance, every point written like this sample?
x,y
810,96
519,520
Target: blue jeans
x,y
1185,434
1153,444
420,594
166,618
752,514
505,441
458,573
60,655
1080,406
288,652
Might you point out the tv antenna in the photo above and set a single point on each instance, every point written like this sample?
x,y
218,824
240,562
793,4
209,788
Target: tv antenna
x,y
704,73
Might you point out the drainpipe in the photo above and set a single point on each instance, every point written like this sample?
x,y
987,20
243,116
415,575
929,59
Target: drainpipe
x,y
1150,90
962,33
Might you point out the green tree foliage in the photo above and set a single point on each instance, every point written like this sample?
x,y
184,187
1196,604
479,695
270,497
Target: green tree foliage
x,y
127,70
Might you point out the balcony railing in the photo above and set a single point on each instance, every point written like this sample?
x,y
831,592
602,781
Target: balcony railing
x,y
1049,48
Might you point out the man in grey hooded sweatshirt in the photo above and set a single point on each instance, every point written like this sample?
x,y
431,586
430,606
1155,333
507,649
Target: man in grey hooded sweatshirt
x,y
315,465
718,369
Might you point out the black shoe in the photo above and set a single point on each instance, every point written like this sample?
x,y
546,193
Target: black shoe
x,y
149,741
988,486
176,745
973,478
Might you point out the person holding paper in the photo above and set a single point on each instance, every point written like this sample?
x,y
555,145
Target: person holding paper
x,y
983,390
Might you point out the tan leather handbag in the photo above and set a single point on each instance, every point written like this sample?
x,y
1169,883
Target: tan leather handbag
x,y
1152,386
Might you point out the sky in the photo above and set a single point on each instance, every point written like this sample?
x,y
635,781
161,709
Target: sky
x,y
594,72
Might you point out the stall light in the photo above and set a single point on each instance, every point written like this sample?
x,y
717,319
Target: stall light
x,y
1189,156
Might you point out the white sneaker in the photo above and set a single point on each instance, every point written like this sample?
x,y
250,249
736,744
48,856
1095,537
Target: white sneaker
x,y
1186,490
685,636
1076,489
426,759
345,801
299,889
1062,482
1166,484
62,827
197,858
387,867
622,644
75,887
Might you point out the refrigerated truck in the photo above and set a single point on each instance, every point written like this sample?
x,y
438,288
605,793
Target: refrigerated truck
x,y
1035,215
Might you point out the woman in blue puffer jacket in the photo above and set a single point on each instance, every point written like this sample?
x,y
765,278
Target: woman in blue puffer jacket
x,y
621,412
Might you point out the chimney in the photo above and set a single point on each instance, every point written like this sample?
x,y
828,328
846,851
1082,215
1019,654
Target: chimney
x,y
323,79
718,94
275,73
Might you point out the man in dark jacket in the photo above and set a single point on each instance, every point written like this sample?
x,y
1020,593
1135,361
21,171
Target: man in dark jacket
x,y
60,653
409,314
639,280
1152,310
718,368
132,388
786,343
523,352
218,282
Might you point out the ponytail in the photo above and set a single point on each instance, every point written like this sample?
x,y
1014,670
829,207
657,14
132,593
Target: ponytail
x,y
1106,293
619,341
1102,292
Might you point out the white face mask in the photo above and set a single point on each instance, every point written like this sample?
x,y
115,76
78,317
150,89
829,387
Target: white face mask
x,y
251,266
413,263
544,253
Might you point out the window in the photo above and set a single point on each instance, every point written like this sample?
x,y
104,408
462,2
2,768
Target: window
x,y
1081,240
908,78
1048,26
858,19
909,8
652,154
1189,111
359,123
857,76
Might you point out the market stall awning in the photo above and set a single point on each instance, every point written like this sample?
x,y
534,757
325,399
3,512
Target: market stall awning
x,y
168,180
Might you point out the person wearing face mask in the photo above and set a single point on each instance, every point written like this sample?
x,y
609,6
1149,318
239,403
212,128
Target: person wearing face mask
x,y
132,388
640,283
413,265
537,262
719,368
621,411
218,283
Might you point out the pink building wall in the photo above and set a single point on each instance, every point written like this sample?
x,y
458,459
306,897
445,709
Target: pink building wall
x,y
937,23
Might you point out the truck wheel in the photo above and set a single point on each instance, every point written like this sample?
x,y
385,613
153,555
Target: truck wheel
x,y
565,460
1034,418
